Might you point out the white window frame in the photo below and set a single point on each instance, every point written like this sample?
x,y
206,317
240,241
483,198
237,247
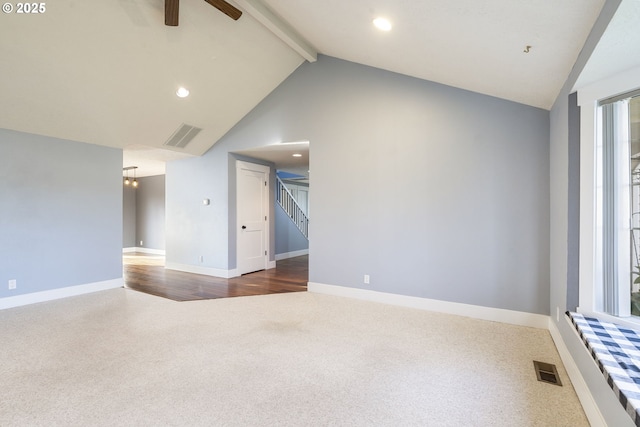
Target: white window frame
x,y
591,291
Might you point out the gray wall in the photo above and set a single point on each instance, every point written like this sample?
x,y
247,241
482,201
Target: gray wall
x,y
60,213
564,239
150,212
144,213
128,216
433,191
288,237
193,229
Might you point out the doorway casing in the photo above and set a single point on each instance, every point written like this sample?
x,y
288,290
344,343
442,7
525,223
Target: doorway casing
x,y
252,222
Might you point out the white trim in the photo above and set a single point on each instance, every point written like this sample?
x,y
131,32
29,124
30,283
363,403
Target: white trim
x,y
144,251
587,262
54,294
615,85
292,254
591,409
474,311
588,97
207,271
266,170
280,28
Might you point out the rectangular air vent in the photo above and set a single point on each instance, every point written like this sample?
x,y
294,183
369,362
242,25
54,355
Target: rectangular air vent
x,y
546,372
182,136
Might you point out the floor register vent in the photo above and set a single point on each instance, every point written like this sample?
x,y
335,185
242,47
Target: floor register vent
x,y
547,373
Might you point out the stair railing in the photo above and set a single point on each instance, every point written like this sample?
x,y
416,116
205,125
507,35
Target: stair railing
x,y
289,204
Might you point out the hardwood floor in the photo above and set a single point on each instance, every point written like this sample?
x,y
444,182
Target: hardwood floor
x,y
146,273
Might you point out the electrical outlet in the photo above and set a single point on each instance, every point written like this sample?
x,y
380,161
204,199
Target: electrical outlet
x,y
557,314
13,284
201,258
141,244
366,279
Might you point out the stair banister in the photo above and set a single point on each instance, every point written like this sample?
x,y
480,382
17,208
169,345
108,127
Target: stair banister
x,y
289,204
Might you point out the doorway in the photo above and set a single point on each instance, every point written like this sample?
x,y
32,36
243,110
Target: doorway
x,y
252,204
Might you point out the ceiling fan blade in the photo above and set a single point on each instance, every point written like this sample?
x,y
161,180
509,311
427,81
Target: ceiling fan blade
x,y
224,7
171,8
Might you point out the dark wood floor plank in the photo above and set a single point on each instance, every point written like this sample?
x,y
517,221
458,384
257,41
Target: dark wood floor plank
x,y
147,274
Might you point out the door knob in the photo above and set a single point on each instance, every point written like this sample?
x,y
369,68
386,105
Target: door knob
x,y
244,226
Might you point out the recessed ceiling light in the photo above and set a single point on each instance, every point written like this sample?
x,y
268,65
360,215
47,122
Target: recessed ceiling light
x,y
182,92
382,24
297,155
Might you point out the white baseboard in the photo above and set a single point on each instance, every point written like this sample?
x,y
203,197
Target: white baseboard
x,y
292,254
144,251
589,405
207,271
474,311
53,294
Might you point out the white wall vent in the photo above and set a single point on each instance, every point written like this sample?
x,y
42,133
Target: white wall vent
x,y
183,136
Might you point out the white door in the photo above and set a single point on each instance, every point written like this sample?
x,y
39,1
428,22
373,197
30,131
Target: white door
x,y
252,195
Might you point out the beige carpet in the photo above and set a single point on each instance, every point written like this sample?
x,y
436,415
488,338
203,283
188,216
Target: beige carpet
x,y
124,358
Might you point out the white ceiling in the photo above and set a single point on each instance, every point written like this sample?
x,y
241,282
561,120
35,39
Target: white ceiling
x,y
619,47
470,44
150,161
282,155
105,72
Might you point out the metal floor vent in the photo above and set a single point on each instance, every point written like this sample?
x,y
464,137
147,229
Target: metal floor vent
x,y
183,136
547,373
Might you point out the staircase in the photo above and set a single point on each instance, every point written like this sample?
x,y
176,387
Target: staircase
x,y
288,203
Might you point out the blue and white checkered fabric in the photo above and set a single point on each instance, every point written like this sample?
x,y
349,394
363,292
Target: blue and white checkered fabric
x,y
617,353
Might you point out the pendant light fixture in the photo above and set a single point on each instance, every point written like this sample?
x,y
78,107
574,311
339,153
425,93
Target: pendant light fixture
x,y
127,181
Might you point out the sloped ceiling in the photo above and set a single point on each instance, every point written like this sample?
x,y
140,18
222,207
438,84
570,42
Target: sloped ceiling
x,y
470,44
106,72
619,48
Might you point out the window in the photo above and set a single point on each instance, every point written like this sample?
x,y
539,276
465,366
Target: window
x,y
617,203
634,141
602,108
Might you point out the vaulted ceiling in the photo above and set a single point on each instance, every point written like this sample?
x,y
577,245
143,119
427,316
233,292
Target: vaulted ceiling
x,y
106,72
